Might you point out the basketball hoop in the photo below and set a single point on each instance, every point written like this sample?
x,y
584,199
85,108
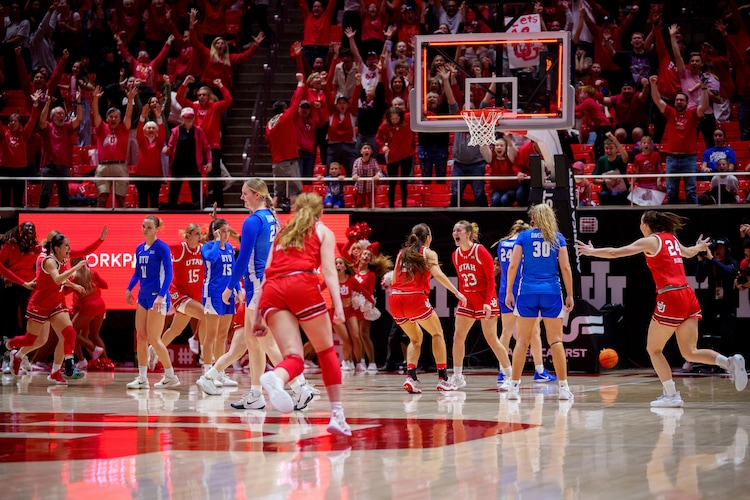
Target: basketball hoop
x,y
482,124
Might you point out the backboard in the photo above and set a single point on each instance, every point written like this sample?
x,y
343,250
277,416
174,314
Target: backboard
x,y
532,75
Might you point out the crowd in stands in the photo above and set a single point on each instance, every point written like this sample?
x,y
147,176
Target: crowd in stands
x,y
97,75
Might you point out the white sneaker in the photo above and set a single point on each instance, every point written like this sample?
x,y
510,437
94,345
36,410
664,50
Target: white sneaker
x,y
361,367
458,380
138,383
563,393
252,401
226,381
81,365
665,401
152,358
737,371
412,386
167,382
195,345
372,367
446,386
98,351
338,425
207,385
315,391
26,364
345,366
275,389
302,398
513,393
504,386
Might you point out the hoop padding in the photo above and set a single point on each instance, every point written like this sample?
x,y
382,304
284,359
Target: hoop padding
x,y
482,124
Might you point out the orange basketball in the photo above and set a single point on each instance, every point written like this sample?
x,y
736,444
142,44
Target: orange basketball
x,y
608,358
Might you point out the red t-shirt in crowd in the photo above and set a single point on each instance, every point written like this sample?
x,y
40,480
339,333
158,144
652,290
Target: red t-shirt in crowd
x,y
682,129
57,145
113,144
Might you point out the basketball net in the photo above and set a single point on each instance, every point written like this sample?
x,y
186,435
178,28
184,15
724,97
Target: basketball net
x,y
482,124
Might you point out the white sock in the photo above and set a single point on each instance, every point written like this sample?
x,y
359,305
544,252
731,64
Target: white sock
x,y
336,405
508,372
168,372
539,368
722,361
206,367
563,383
211,373
669,388
458,371
142,371
296,385
56,367
256,389
515,384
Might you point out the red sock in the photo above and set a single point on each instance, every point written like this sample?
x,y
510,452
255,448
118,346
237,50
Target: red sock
x,y
293,365
69,337
411,367
442,366
19,342
329,365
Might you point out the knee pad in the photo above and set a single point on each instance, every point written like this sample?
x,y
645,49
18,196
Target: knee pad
x,y
23,341
293,364
329,366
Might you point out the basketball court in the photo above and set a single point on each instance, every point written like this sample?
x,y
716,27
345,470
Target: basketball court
x,y
95,439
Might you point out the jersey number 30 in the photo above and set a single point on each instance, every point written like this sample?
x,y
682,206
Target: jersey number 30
x,y
541,249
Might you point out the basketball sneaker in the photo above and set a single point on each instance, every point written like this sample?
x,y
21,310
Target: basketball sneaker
x,y
138,383
207,385
361,366
737,371
252,401
458,380
500,377
226,381
302,397
69,365
275,389
513,393
504,386
338,424
57,377
665,401
167,382
544,377
15,362
26,364
152,358
195,345
76,375
563,393
412,386
372,368
446,385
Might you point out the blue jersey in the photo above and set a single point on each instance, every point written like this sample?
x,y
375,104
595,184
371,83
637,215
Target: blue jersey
x,y
540,273
258,233
504,251
219,265
153,268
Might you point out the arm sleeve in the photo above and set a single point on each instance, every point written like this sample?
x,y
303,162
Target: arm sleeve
x,y
134,279
359,288
250,230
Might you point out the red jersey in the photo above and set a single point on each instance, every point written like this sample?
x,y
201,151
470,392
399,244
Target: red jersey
x,y
113,144
367,280
351,285
47,294
420,282
666,264
285,261
476,271
188,271
682,129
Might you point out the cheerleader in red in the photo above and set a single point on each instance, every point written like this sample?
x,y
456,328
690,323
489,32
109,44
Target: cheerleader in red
x,y
370,268
47,303
349,330
410,304
290,298
677,310
476,280
186,290
89,314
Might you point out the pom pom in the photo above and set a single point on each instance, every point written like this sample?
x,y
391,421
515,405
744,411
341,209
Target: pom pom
x,y
387,280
